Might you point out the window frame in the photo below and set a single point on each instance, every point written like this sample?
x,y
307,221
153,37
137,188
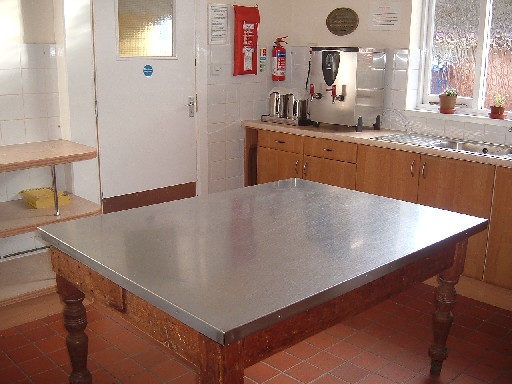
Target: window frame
x,y
473,105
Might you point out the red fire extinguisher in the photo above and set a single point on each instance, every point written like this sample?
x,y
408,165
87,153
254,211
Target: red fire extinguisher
x,y
279,59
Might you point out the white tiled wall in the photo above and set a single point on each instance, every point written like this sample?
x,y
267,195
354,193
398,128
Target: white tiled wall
x,y
29,111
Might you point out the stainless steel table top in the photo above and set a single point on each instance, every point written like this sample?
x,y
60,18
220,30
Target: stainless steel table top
x,y
231,263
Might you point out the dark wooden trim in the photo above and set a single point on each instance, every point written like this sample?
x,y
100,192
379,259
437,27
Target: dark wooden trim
x,y
153,196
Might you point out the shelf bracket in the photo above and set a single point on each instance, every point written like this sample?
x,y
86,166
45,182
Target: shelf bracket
x,y
55,192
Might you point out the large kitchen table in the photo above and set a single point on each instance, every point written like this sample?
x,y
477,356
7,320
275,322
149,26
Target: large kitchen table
x,y
226,280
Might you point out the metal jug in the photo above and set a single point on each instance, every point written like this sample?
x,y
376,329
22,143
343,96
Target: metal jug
x,y
273,104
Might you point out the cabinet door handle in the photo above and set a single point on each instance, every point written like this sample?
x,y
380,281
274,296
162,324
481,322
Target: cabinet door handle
x,y
424,170
328,150
305,169
280,142
412,167
297,167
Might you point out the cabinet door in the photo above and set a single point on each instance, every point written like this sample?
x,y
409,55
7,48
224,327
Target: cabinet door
x,y
387,172
277,165
332,172
498,266
464,187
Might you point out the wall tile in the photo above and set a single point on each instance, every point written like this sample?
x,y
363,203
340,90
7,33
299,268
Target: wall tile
x,y
34,80
36,129
10,57
216,113
234,182
16,182
474,131
216,185
10,82
234,149
216,94
495,134
11,107
455,129
217,151
35,105
399,80
3,187
217,170
234,168
35,56
13,132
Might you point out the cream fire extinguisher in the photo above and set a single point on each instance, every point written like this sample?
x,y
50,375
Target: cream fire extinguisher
x,y
279,59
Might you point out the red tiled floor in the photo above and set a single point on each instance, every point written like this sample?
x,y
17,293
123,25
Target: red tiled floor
x,y
386,344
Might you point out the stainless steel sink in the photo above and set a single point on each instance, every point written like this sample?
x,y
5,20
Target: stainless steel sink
x,y
449,144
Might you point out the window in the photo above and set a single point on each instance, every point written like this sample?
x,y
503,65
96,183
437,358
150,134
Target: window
x,y
469,47
145,27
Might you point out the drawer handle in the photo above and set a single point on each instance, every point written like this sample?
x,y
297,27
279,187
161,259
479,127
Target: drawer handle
x,y
305,169
280,142
297,167
412,167
424,170
328,150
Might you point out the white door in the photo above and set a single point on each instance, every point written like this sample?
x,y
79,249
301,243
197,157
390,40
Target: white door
x,y
147,139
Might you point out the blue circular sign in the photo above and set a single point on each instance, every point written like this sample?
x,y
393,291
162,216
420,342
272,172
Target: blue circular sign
x,y
148,70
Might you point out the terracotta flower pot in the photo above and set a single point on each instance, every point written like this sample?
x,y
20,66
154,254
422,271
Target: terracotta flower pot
x,y
497,112
447,103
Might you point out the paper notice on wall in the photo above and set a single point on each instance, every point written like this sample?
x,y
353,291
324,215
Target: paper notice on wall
x,y
217,24
384,16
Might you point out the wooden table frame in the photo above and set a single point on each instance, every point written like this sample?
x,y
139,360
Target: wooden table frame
x,y
216,363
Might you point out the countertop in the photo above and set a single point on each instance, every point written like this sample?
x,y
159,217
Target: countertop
x,y
348,134
231,263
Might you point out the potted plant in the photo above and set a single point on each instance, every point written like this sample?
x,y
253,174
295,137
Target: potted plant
x,y
498,108
447,100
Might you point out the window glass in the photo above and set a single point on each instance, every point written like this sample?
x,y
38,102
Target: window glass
x,y
145,28
499,68
453,49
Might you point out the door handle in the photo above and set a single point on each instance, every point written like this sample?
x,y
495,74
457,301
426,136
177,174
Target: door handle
x,y
191,106
305,169
297,167
424,170
412,167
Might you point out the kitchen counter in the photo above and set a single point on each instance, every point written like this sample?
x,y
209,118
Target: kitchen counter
x,y
348,134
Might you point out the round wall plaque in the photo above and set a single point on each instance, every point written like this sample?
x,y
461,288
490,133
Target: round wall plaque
x,y
342,21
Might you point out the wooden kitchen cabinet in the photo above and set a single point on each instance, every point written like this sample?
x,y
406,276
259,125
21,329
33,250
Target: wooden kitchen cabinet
x,y
282,156
464,187
386,172
498,267
456,185
278,165
279,156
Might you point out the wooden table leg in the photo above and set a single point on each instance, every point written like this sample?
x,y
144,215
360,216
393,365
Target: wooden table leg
x,y
75,321
445,302
221,363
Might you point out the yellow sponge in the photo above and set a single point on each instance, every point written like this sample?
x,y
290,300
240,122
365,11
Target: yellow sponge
x,y
43,197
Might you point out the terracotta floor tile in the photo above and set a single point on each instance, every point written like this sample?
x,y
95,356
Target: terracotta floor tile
x,y
282,379
12,340
465,379
260,372
107,356
152,357
325,361
396,373
303,350
125,368
39,333
329,379
362,340
345,350
53,376
349,372
305,372
323,340
51,344
12,374
483,372
375,379
188,378
142,378
369,361
283,360
60,357
341,330
412,361
379,331
386,350
35,366
170,369
24,353
4,361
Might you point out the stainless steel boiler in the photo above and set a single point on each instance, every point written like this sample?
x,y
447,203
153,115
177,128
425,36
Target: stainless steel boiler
x,y
335,97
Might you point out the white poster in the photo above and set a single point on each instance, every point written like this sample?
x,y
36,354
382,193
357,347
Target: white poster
x,y
217,24
384,16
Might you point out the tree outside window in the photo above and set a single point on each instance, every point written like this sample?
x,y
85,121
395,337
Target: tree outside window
x,y
469,48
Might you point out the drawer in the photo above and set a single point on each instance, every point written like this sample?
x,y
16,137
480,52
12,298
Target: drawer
x,y
281,141
330,149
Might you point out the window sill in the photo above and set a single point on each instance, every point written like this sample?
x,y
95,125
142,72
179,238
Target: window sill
x,y
433,113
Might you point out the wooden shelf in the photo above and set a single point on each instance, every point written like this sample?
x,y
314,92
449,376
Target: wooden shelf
x,y
17,217
31,155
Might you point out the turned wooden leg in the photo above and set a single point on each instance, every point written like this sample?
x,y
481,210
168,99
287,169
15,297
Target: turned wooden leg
x,y
75,321
442,318
221,363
